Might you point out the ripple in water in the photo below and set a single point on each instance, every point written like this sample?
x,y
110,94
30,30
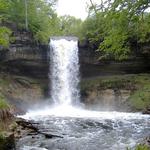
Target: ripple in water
x,y
82,129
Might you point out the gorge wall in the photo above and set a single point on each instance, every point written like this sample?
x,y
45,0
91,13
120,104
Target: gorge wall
x,y
26,61
27,56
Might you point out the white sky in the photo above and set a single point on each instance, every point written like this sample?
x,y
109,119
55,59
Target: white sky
x,y
75,8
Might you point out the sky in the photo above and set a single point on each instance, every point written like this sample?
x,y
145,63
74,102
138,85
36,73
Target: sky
x,y
75,8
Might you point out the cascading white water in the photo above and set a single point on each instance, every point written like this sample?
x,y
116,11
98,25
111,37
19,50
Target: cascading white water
x,y
64,70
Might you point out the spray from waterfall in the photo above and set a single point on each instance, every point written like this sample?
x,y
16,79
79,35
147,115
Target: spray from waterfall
x,y
64,77
64,70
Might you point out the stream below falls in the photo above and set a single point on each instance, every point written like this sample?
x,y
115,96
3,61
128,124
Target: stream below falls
x,y
79,129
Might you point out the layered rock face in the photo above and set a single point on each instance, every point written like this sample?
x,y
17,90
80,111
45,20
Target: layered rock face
x,y
108,99
25,47
25,56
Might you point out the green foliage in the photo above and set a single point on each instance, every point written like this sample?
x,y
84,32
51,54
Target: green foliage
x,y
143,29
70,26
142,147
42,19
4,7
4,36
93,29
116,35
113,28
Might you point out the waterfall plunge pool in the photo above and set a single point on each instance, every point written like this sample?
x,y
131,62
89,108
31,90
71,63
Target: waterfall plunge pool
x,y
86,130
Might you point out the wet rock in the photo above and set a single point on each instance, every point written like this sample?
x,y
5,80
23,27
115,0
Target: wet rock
x,y
106,99
147,111
30,128
50,135
145,143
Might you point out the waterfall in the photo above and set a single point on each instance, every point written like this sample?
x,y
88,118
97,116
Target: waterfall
x,y
74,127
64,70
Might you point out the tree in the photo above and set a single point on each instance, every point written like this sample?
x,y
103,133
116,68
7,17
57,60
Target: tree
x,y
41,21
69,25
4,31
115,26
